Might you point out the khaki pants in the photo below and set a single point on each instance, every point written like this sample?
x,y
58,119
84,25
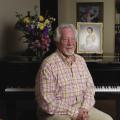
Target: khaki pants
x,y
94,114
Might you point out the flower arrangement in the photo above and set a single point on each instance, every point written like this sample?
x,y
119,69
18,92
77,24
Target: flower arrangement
x,y
38,31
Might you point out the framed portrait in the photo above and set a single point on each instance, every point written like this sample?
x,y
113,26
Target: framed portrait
x,y
90,37
90,12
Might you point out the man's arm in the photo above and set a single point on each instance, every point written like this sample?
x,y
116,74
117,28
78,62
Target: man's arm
x,y
89,92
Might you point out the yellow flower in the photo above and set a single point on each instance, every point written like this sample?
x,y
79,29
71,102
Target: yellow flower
x,y
41,26
47,22
41,18
54,19
26,20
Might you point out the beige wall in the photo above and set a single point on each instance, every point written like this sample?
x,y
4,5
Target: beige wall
x,y
109,26
8,9
66,11
67,14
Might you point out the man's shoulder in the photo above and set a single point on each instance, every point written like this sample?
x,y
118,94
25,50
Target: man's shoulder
x,y
79,57
51,59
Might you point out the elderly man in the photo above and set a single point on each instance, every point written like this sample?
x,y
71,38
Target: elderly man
x,y
64,86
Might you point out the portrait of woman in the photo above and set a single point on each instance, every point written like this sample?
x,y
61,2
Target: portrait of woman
x,y
89,37
91,43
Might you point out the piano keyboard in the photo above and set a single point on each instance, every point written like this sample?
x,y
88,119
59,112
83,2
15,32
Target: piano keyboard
x,y
98,89
108,89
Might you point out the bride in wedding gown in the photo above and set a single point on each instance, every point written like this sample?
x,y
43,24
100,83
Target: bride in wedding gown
x,y
91,43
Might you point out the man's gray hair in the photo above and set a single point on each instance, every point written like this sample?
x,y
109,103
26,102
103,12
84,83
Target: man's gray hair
x,y
62,26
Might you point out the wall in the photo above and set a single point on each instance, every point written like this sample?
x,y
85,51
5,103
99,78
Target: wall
x,y
8,9
67,14
109,30
66,11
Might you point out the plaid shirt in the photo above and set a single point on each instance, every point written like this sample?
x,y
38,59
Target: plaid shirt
x,y
60,85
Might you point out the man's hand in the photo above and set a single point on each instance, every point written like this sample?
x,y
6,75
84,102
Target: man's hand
x,y
83,114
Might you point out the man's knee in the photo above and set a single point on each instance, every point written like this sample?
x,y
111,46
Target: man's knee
x,y
108,117
96,114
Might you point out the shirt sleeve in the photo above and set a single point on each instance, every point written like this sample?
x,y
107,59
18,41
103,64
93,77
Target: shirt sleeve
x,y
45,94
89,92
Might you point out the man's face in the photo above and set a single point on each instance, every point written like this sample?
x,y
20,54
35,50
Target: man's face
x,y
67,42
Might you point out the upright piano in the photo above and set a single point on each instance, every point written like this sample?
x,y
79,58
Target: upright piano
x,y
106,76
17,84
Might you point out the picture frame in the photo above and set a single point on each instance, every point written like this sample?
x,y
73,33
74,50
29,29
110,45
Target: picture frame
x,y
90,38
90,12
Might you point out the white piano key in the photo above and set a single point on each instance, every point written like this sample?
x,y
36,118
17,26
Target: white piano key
x,y
19,90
